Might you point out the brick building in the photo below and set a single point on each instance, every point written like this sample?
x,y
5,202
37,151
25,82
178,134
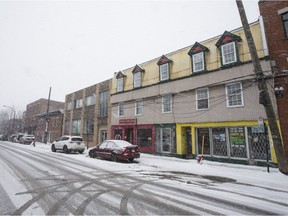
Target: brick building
x,y
35,125
55,122
275,18
87,113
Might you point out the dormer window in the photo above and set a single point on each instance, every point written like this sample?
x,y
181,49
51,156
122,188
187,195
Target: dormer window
x,y
137,76
228,48
164,72
228,53
164,68
120,84
120,81
197,53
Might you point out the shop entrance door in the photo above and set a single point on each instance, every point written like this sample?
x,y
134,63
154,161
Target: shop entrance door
x,y
188,140
129,135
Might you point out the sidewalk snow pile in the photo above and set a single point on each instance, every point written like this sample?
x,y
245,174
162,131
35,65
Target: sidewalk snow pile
x,y
160,164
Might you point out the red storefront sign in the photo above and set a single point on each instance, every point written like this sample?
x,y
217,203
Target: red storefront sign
x,y
127,121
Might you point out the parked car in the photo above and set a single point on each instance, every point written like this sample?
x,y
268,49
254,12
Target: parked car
x,y
17,138
12,137
69,144
116,150
27,139
4,137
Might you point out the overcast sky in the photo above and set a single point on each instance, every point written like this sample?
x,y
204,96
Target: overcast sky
x,y
70,45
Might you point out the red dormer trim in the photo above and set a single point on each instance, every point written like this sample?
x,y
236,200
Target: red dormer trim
x,y
137,69
163,60
227,37
120,75
197,48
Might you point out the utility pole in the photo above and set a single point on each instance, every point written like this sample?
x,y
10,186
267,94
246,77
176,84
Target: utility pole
x,y
47,119
263,93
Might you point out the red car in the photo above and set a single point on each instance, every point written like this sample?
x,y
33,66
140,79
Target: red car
x,y
116,150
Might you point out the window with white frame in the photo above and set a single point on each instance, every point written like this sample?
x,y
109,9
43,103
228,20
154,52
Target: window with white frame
x,y
164,139
78,103
234,95
167,103
198,62
121,109
228,53
139,107
202,98
120,84
164,72
90,100
285,23
137,79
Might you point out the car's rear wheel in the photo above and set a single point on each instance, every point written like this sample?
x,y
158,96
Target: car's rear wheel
x,y
131,160
53,148
114,157
81,152
91,154
66,150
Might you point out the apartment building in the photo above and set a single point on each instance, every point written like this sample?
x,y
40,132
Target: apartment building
x,y
87,113
202,99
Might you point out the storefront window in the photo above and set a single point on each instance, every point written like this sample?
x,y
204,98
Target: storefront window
x,y
164,139
219,141
237,142
258,143
203,141
118,134
144,137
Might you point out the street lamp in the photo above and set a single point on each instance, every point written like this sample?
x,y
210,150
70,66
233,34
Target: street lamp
x,y
13,112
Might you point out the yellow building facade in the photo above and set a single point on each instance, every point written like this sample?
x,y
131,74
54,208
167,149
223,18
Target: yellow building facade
x,y
201,99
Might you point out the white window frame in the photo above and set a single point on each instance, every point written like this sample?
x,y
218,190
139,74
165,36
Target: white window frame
x,y
120,84
139,107
235,94
199,98
226,55
198,59
167,103
164,71
137,79
121,109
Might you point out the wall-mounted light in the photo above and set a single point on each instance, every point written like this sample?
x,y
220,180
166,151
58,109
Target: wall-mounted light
x,y
279,91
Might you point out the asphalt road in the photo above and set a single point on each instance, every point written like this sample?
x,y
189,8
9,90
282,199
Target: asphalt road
x,y
57,184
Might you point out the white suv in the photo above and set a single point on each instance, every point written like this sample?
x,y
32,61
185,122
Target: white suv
x,y
68,144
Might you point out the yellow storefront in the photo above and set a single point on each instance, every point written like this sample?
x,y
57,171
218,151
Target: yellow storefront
x,y
245,141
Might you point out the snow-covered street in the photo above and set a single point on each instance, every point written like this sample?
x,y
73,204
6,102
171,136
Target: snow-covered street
x,y
36,181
